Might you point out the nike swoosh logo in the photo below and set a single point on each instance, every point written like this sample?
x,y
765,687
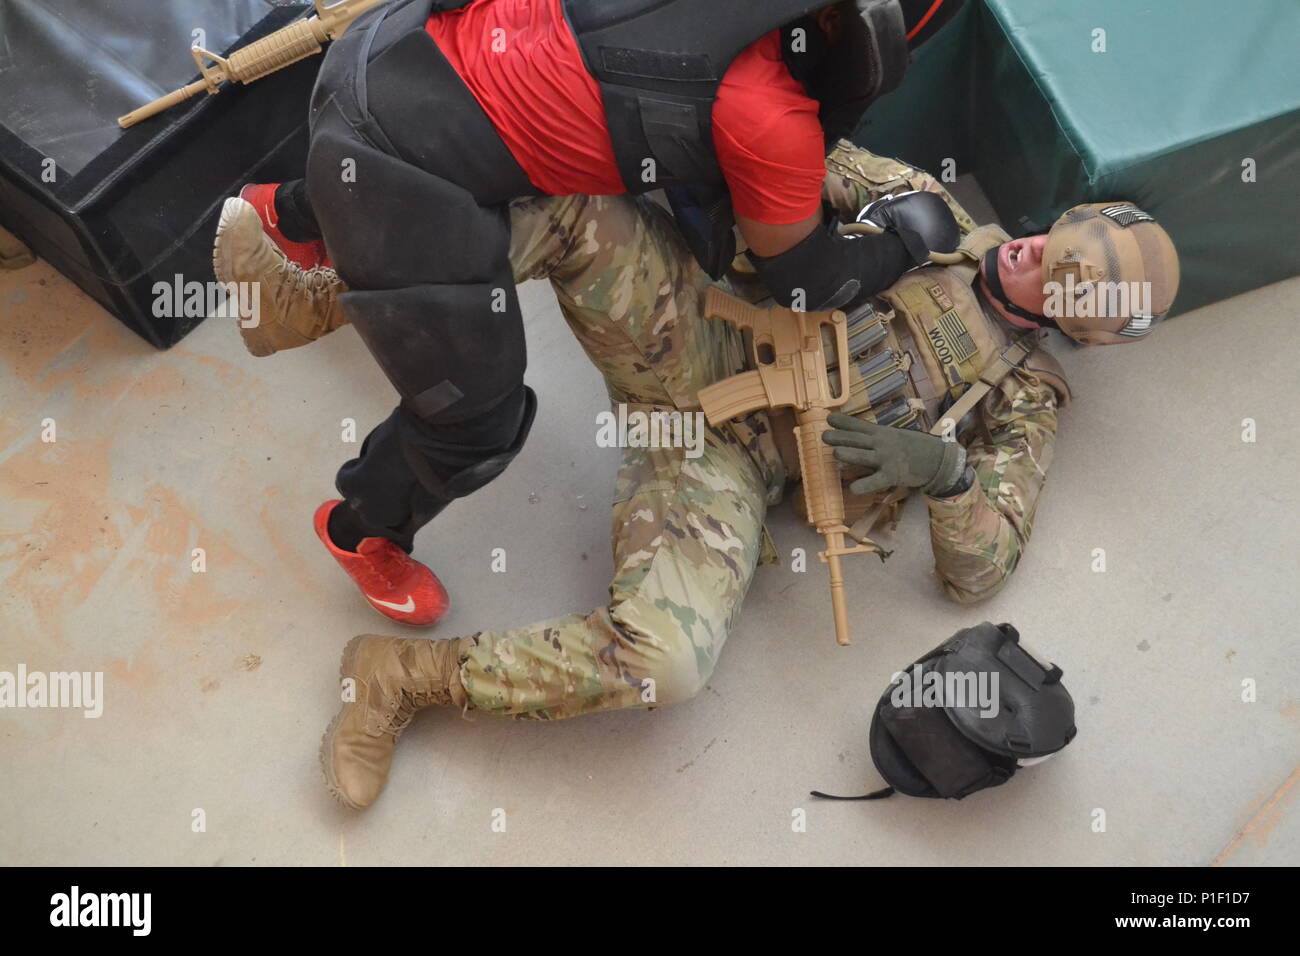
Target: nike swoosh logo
x,y
406,608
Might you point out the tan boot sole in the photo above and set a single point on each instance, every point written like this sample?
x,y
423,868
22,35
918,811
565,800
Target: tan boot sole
x,y
346,668
220,261
223,265
277,333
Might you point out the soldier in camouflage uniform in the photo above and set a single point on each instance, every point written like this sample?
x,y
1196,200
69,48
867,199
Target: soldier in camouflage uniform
x,y
688,533
979,533
948,328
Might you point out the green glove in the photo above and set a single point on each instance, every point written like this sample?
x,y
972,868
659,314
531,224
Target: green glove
x,y
896,456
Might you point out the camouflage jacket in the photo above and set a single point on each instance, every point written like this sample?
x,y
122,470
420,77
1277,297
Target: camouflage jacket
x,y
978,536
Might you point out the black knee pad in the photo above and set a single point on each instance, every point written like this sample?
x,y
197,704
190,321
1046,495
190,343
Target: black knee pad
x,y
454,461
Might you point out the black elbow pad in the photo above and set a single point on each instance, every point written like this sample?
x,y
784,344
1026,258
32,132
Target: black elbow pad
x,y
829,271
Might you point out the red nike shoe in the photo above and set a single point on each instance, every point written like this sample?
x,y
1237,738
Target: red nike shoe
x,y
396,585
261,196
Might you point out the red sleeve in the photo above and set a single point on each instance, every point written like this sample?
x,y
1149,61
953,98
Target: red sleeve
x,y
769,138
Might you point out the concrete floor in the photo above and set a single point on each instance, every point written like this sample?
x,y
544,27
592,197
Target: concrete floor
x,y
218,685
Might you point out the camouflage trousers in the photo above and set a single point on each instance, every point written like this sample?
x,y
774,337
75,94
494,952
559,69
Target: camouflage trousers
x,y
687,533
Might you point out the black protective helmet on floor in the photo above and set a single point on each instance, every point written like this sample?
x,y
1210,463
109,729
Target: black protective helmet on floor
x,y
967,716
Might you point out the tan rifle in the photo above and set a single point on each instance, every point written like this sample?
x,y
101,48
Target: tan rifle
x,y
790,361
282,48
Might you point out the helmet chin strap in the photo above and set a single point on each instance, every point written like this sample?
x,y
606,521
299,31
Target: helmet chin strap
x,y
994,282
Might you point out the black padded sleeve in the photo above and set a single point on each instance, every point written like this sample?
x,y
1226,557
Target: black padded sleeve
x,y
829,271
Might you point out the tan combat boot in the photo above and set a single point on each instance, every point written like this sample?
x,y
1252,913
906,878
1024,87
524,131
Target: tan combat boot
x,y
391,678
295,306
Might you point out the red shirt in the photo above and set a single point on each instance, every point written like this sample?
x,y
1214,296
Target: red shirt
x,y
522,63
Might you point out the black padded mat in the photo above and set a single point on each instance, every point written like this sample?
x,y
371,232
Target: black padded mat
x,y
70,68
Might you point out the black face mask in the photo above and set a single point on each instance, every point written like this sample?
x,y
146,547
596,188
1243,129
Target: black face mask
x,y
846,76
994,283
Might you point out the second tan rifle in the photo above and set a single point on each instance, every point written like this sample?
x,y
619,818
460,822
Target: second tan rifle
x,y
789,354
274,52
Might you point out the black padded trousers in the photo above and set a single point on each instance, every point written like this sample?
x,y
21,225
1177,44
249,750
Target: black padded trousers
x,y
410,185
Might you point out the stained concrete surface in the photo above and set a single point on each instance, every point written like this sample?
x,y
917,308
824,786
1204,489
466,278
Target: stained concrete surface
x,y
219,684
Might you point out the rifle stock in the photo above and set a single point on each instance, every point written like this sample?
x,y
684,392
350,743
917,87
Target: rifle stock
x,y
272,53
791,372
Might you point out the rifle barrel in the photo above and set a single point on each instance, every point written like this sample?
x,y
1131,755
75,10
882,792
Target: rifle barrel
x,y
835,542
162,104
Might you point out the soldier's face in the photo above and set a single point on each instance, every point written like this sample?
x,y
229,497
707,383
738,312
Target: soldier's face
x,y
1020,267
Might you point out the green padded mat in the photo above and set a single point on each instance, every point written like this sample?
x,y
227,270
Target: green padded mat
x,y
1185,93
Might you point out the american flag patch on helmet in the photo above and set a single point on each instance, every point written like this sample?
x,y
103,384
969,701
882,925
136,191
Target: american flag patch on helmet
x,y
1126,215
1138,326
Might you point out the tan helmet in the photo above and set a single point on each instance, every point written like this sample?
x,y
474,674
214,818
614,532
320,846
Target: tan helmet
x,y
1111,273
